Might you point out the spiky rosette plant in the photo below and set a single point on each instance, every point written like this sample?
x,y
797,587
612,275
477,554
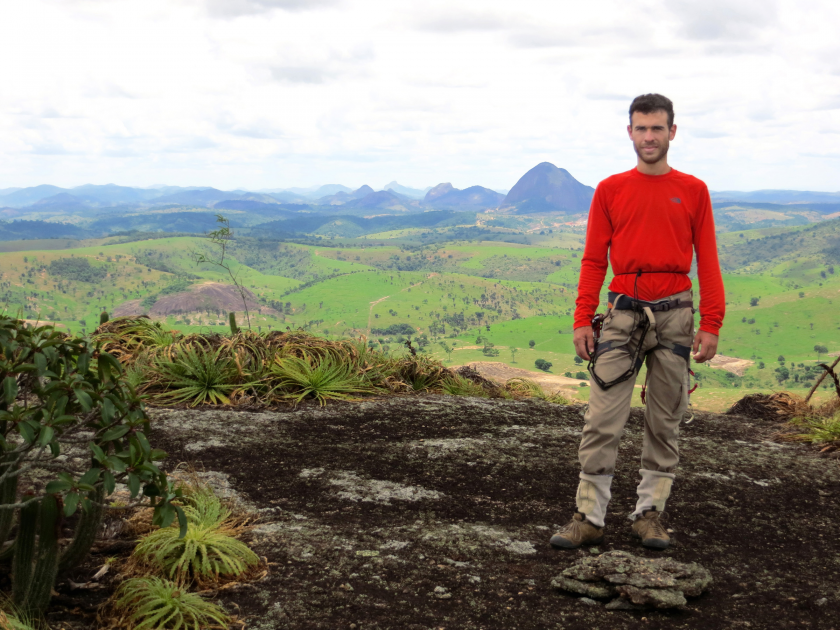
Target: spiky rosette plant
x,y
322,379
197,376
207,551
153,603
56,393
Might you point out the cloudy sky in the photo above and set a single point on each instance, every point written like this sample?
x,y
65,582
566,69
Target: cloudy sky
x,y
264,94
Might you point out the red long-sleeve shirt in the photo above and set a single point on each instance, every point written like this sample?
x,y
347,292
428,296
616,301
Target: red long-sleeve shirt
x,y
652,223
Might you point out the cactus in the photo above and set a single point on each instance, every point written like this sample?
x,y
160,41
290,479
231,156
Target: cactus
x,y
103,317
233,327
86,529
46,564
24,553
8,494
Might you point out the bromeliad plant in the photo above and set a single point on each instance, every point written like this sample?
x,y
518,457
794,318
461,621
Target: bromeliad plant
x,y
208,551
57,392
322,378
197,376
152,603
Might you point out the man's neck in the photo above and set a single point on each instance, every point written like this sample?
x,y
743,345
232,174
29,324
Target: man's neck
x,y
657,168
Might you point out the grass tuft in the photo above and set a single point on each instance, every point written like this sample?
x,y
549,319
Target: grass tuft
x,y
818,429
526,388
459,386
13,619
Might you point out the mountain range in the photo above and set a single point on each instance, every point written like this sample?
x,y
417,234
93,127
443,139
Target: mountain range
x,y
543,189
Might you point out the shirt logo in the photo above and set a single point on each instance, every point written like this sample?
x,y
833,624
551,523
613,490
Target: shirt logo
x,y
676,199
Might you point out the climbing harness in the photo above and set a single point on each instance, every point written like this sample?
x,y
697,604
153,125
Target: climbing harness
x,y
624,302
689,417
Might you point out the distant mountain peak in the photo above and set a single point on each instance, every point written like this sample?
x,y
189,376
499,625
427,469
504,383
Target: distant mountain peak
x,y
438,191
474,197
547,188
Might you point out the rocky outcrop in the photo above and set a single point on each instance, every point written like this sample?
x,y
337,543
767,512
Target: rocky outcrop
x,y
431,511
657,582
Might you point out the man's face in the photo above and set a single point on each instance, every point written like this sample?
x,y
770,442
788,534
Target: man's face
x,y
650,135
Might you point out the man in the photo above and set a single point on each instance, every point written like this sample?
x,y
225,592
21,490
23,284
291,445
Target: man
x,y
649,220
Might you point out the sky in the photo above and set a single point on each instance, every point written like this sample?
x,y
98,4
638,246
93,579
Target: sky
x,y
269,94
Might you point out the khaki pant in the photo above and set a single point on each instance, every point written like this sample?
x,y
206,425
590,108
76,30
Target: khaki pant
x,y
667,390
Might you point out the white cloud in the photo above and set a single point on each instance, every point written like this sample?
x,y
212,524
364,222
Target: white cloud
x,y
462,21
237,8
301,74
273,93
735,20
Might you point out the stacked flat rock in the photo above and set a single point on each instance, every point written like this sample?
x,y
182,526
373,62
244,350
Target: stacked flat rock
x,y
657,582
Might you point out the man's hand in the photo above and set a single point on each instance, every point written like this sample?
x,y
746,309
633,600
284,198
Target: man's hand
x,y
705,342
584,342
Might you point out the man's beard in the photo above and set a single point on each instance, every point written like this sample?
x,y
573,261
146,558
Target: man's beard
x,y
656,157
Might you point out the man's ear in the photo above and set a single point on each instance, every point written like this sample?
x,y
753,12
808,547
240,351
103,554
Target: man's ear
x,y
630,131
672,132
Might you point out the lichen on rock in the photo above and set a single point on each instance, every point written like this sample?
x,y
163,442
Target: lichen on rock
x,y
657,582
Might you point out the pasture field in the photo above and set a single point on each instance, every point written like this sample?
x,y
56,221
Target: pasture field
x,y
464,300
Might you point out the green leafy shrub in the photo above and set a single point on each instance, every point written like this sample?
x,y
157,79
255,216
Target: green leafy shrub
x,y
543,365
55,391
152,603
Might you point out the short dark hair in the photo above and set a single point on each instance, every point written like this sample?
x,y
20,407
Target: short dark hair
x,y
649,103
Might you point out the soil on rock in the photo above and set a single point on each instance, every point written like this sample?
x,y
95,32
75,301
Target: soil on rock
x,y
436,511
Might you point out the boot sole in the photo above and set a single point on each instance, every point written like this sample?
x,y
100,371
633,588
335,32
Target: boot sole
x,y
562,543
653,543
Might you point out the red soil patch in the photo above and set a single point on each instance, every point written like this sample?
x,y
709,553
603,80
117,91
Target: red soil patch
x,y
212,296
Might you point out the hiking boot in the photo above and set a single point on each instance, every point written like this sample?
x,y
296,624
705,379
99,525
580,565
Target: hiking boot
x,y
650,529
577,532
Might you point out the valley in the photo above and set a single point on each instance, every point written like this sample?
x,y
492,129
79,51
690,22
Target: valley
x,y
459,300
472,276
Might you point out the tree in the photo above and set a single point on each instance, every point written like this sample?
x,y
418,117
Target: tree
x,y
820,350
532,343
447,349
761,365
578,360
782,374
781,358
754,301
221,238
543,365
513,351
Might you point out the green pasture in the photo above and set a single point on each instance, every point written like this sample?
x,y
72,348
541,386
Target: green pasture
x,y
452,291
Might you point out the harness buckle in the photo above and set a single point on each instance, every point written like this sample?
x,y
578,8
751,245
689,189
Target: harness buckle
x,y
597,324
